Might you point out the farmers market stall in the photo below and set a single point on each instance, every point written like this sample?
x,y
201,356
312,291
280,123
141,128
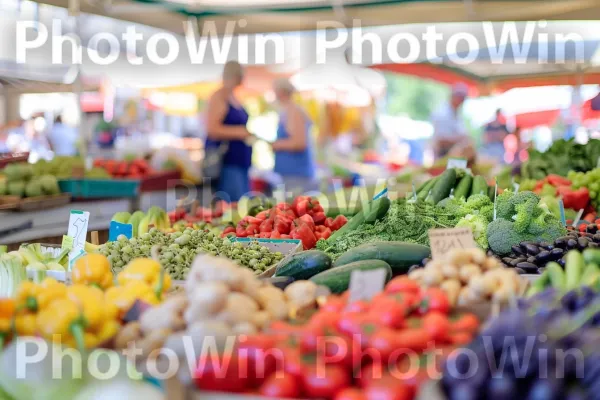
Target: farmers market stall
x,y
388,298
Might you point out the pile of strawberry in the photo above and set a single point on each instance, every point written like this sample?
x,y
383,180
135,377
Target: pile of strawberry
x,y
376,350
304,219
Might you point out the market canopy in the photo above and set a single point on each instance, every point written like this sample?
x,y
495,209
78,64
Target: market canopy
x,y
571,64
298,15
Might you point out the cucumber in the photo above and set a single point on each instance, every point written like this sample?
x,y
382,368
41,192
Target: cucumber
x,y
574,265
304,265
374,210
464,187
480,186
399,255
592,256
590,275
337,279
557,275
443,186
424,191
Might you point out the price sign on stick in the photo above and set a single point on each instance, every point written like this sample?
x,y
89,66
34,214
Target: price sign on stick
x,y
444,240
366,284
78,225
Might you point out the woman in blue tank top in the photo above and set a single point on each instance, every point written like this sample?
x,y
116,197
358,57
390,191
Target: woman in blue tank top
x,y
293,148
226,123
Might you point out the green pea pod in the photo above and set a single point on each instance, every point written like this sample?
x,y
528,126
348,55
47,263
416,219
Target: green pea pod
x,y
574,265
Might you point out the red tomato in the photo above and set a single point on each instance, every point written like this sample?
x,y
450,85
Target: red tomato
x,y
229,229
368,373
310,337
275,235
464,322
253,220
306,219
402,284
359,306
410,300
435,299
258,357
221,373
319,217
350,394
295,362
263,215
415,339
328,222
284,206
414,381
306,235
266,226
460,338
437,325
280,386
338,222
341,350
388,389
357,324
284,328
391,314
325,318
325,382
381,345
334,304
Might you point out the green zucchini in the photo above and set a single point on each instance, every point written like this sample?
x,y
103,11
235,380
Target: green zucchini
x,y
480,186
373,210
443,186
424,191
399,255
337,279
464,187
304,265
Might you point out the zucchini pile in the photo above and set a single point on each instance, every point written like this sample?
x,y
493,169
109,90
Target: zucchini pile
x,y
395,257
456,182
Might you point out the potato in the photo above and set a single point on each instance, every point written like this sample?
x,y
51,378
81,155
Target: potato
x,y
244,328
490,263
261,319
468,271
239,308
207,299
450,271
416,274
458,257
168,315
301,293
452,288
432,277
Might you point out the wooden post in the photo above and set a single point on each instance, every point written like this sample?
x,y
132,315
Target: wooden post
x,y
94,236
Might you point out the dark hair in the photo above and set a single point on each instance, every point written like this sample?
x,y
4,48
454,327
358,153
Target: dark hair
x,y
58,120
499,111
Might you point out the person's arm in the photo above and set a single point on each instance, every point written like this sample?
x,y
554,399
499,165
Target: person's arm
x,y
295,126
215,113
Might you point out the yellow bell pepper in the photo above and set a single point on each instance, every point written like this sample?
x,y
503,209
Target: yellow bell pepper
x,y
32,297
146,270
82,319
122,298
92,269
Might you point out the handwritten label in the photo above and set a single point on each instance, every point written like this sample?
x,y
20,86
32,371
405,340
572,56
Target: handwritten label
x,y
67,242
78,225
366,284
445,240
459,163
116,228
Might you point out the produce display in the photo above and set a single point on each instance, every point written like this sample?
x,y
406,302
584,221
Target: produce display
x,y
142,222
304,219
134,169
23,180
177,251
561,158
471,277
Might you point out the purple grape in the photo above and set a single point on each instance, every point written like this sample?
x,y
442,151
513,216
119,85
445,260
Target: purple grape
x,y
501,388
546,389
463,391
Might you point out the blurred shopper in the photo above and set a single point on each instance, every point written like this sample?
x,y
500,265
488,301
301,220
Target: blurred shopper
x,y
62,138
448,126
227,155
293,148
494,134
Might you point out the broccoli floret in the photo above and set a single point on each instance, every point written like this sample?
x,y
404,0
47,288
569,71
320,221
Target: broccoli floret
x,y
502,236
478,225
453,205
478,201
546,226
524,215
504,207
524,197
487,212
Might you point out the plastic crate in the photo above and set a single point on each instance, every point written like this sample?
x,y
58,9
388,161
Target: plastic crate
x,y
100,188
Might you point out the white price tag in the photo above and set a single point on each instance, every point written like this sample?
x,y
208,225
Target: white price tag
x,y
78,225
366,284
459,163
445,240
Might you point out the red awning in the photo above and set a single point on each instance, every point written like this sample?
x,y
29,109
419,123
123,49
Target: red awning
x,y
536,118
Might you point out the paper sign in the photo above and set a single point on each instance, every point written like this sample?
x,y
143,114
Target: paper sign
x,y
444,240
78,225
67,242
366,284
459,163
116,228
